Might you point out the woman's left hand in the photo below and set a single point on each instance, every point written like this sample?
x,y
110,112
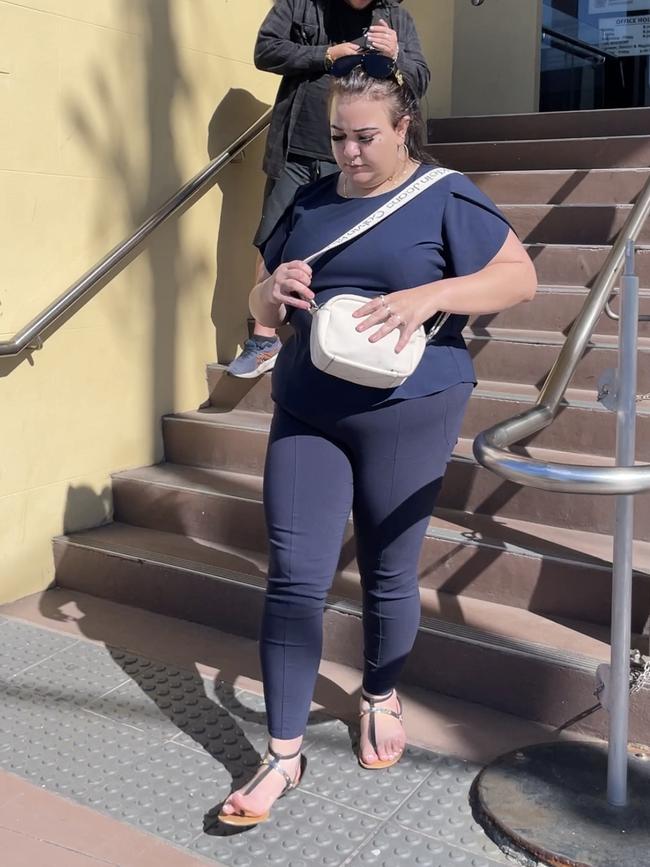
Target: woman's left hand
x,y
405,311
383,39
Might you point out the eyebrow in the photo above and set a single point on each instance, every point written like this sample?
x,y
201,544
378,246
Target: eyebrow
x,y
361,129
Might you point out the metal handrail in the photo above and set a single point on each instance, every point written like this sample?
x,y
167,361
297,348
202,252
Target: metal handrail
x,y
491,447
187,195
584,48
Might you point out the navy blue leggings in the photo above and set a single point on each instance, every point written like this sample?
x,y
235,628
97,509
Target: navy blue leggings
x,y
387,466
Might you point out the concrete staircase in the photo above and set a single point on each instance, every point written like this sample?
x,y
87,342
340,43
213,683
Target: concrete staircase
x,y
515,582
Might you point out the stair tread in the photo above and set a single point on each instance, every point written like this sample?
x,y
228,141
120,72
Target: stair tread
x,y
489,389
483,617
641,170
524,537
533,539
557,289
546,141
249,486
242,418
196,479
546,338
644,248
619,206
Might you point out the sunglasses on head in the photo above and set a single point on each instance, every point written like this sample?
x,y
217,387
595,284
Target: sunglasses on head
x,y
373,64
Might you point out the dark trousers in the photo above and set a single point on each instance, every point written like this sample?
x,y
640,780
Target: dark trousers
x,y
279,192
386,465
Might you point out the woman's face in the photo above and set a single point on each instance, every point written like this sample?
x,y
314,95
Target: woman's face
x,y
365,144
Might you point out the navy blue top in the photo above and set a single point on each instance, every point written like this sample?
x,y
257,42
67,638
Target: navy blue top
x,y
450,230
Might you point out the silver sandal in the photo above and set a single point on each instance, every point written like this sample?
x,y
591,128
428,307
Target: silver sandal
x,y
372,733
272,761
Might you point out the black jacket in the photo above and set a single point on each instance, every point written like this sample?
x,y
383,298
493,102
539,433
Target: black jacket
x,y
292,43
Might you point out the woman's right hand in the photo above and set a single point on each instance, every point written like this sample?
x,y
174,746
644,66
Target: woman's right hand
x,y
289,284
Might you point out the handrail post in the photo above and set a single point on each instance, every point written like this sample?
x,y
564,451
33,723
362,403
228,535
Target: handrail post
x,y
619,693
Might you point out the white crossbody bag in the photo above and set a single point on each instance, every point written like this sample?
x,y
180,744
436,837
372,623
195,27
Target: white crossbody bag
x,y
337,348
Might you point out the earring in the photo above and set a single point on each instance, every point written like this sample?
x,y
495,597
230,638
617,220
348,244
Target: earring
x,y
407,155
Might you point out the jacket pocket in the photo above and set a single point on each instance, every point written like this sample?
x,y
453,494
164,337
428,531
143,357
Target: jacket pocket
x,y
304,34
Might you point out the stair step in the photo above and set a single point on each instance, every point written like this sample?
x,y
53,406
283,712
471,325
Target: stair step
x,y
563,187
522,356
554,308
481,648
583,425
469,487
569,153
219,505
573,265
570,224
464,555
540,125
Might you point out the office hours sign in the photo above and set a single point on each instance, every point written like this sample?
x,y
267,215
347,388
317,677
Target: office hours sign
x,y
610,7
625,36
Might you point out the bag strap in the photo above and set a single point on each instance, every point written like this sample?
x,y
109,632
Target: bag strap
x,y
419,185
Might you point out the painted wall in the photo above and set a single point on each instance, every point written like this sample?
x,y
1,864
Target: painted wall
x,y
107,107
496,57
435,23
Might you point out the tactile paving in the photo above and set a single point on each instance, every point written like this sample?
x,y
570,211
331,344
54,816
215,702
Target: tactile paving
x,y
24,645
440,808
305,830
394,845
160,748
75,675
170,790
335,773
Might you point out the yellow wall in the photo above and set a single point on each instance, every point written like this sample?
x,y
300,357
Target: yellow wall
x,y
434,20
483,59
107,107
496,57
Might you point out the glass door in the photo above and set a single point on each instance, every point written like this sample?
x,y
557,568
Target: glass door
x,y
595,54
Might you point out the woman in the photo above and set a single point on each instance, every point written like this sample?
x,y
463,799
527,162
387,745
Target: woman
x,y
336,446
299,40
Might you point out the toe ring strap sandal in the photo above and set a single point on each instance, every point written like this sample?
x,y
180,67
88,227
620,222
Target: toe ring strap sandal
x,y
270,762
372,711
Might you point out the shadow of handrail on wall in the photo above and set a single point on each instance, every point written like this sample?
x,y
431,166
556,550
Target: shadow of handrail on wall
x,y
241,185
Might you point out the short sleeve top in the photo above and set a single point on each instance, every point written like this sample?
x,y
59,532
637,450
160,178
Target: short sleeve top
x,y
450,230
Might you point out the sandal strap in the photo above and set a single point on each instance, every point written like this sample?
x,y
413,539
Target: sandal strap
x,y
373,702
272,761
397,714
373,710
275,755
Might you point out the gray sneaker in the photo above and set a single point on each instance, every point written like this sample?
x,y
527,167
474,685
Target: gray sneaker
x,y
255,359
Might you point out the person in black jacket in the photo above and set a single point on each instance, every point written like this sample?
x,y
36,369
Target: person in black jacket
x,y
299,40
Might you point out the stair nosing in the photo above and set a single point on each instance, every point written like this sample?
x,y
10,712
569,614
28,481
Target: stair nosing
x,y
582,246
431,625
546,338
616,205
198,488
523,141
508,172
